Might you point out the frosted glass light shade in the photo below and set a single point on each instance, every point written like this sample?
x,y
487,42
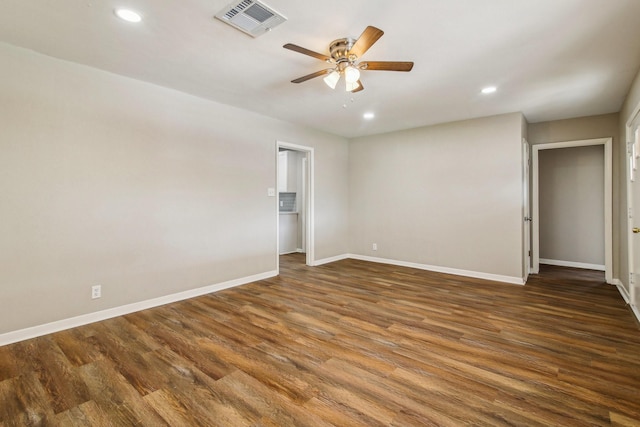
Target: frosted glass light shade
x,y
351,86
351,74
332,79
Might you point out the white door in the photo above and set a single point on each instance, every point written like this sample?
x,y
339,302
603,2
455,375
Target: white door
x,y
634,213
526,250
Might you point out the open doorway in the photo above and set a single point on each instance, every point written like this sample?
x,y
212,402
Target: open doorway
x,y
606,206
294,167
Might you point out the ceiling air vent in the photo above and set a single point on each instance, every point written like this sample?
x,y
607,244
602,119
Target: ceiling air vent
x,y
251,16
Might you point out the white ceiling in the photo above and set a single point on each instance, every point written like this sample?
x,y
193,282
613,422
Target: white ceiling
x,y
551,59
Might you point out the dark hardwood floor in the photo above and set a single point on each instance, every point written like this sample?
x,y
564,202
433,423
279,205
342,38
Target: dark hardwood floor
x,y
348,344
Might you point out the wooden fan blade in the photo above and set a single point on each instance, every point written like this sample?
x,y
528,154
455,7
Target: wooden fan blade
x,y
361,87
312,75
386,65
305,51
368,37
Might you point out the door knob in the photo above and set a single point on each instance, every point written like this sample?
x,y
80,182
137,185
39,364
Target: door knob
x,y
636,230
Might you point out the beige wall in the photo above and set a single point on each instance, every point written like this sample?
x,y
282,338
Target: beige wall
x,y
571,195
447,195
591,127
143,190
601,126
148,191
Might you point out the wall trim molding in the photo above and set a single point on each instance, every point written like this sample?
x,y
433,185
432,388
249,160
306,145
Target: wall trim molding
x,y
330,259
616,282
437,269
85,319
622,290
290,252
626,297
426,267
572,264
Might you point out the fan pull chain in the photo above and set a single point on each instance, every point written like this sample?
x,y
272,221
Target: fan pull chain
x,y
346,105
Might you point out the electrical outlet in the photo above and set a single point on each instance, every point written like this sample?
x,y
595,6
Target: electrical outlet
x,y
375,247
96,291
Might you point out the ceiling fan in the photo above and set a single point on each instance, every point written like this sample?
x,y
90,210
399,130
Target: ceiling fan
x,y
344,57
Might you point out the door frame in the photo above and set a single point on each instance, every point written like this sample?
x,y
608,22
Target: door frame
x,y
526,209
608,205
309,234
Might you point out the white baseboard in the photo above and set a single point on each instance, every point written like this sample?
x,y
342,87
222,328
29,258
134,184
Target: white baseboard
x,y
622,290
60,325
627,298
572,264
331,259
446,270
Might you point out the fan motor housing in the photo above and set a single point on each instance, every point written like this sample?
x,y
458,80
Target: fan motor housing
x,y
339,49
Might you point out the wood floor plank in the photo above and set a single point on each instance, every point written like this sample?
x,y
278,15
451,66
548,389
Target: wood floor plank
x,y
120,401
128,359
9,365
87,414
270,371
382,399
619,420
444,396
191,394
33,401
59,378
172,410
10,409
271,408
350,343
76,347
181,343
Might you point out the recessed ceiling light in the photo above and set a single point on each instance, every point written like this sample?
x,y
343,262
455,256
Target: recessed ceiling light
x,y
128,15
489,89
368,116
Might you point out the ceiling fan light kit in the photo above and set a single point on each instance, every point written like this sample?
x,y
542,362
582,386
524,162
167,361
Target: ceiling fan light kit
x,y
344,55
